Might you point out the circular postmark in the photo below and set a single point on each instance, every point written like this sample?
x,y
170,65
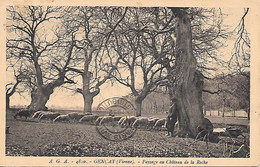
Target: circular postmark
x,y
114,110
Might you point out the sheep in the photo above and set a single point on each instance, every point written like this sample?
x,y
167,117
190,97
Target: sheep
x,y
89,118
159,123
36,114
43,113
62,118
117,118
23,113
128,121
54,115
121,120
98,120
140,123
151,123
76,116
110,120
40,114
106,120
49,115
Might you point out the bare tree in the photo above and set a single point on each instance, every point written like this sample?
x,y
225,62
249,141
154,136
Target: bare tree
x,y
240,59
137,69
36,43
188,83
11,88
194,51
92,41
236,83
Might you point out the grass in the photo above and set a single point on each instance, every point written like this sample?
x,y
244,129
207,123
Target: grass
x,y
33,138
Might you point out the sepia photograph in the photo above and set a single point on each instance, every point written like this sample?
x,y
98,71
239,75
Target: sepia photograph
x,y
127,81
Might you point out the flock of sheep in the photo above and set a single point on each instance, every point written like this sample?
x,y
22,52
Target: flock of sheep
x,y
122,121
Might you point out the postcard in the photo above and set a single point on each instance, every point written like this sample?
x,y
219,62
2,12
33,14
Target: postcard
x,y
135,83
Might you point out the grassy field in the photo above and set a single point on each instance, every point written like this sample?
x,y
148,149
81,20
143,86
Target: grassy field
x,y
33,138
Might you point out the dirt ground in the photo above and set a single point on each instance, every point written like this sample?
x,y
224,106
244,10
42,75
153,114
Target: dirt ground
x,y
34,138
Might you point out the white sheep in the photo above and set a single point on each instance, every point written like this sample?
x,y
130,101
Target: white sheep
x,y
49,116
43,113
159,123
106,120
75,116
36,114
140,123
121,120
109,120
117,118
88,119
128,121
98,120
151,122
62,118
40,114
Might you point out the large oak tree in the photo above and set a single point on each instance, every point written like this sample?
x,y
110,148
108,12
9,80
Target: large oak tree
x,y
43,48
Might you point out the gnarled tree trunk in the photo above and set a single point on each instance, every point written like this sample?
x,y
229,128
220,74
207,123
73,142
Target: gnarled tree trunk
x,y
39,98
41,95
188,83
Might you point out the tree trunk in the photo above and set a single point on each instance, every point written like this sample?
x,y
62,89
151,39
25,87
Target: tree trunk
x,y
88,101
86,93
188,83
88,98
39,98
138,104
10,91
7,101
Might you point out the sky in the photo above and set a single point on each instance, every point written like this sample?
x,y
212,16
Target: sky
x,y
62,98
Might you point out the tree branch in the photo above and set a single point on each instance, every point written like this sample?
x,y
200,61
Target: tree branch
x,y
113,29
